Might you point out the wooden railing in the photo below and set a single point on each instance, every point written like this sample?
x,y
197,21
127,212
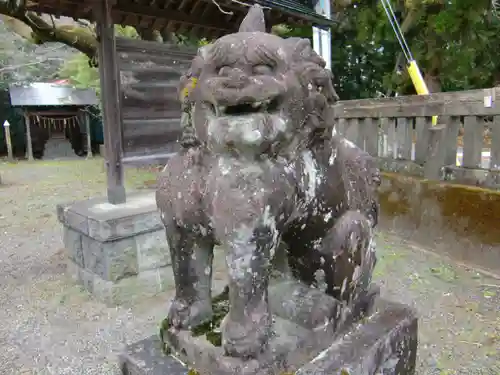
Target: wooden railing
x,y
468,129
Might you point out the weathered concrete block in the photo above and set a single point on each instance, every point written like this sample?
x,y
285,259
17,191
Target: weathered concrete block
x,y
113,260
105,230
75,221
385,344
152,250
73,244
117,252
145,284
146,357
103,221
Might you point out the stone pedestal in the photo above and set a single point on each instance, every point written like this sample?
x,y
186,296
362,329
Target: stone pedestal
x,y
383,342
117,251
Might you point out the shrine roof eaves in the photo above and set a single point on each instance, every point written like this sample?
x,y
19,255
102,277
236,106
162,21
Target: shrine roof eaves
x,y
204,18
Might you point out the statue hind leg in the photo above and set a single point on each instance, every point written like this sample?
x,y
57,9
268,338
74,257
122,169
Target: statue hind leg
x,y
342,253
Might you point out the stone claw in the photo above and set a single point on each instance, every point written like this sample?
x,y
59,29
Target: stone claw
x,y
188,315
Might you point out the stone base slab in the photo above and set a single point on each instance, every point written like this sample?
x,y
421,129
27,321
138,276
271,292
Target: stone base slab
x,y
117,251
386,342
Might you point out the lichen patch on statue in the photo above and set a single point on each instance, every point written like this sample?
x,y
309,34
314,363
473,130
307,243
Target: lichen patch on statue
x,y
266,169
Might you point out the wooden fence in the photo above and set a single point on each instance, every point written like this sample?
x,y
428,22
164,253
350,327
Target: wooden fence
x,y
151,112
401,128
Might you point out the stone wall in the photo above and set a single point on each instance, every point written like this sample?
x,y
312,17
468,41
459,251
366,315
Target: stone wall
x,y
458,220
117,251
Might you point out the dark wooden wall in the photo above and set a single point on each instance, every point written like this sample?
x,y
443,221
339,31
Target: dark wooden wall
x,y
151,112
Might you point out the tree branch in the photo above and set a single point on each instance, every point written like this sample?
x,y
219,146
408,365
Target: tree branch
x,y
34,28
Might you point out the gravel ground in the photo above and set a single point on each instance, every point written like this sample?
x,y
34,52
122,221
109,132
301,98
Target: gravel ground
x,y
50,326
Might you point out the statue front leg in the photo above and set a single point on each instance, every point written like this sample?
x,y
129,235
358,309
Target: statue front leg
x,y
248,212
192,255
180,197
246,328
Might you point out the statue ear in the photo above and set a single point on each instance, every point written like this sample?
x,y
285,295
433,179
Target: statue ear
x,y
254,20
302,50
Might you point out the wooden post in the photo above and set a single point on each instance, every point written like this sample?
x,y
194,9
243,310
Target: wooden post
x,y
495,143
403,133
86,119
29,145
450,144
370,131
8,140
383,141
436,152
110,96
340,126
422,126
352,132
472,142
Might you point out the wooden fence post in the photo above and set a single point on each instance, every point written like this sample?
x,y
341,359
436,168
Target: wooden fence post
x,y
403,131
370,130
340,126
495,143
472,141
422,126
435,152
453,124
352,131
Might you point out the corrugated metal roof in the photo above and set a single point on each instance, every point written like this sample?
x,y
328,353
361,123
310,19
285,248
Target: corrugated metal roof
x,y
49,94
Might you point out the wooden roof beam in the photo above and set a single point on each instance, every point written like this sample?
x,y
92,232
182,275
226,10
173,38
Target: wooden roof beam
x,y
171,16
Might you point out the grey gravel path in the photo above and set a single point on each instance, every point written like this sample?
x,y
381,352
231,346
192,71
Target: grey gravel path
x,y
50,326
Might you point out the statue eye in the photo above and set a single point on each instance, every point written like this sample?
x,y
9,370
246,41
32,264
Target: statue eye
x,y
223,70
262,69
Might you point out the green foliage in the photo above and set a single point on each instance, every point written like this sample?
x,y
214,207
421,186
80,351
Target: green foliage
x,y
22,62
455,41
78,71
126,32
81,74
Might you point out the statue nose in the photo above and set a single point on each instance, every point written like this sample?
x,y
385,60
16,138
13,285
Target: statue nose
x,y
236,78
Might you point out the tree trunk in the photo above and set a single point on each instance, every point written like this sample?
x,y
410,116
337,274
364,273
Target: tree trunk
x,y
433,83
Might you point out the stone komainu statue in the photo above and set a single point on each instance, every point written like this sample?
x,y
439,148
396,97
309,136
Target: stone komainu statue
x,y
261,166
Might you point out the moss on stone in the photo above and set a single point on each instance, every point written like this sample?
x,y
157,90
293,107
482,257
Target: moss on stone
x,y
467,211
211,328
164,326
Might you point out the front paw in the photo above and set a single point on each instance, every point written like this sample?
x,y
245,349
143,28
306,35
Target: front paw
x,y
183,314
246,338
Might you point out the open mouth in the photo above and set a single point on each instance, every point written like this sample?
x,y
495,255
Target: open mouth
x,y
265,106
